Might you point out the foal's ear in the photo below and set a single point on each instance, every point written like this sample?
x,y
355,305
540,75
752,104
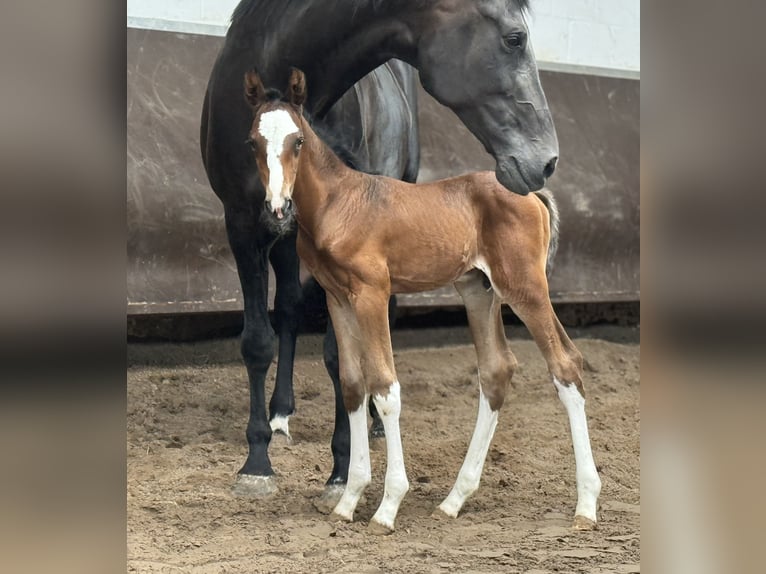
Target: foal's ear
x,y
296,87
255,94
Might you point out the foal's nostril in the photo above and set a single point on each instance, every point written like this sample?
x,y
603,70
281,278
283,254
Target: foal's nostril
x,y
550,167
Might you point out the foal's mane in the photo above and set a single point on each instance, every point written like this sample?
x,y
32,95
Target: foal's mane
x,y
331,138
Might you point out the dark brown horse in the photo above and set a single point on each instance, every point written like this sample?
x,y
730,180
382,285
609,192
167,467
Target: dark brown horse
x,y
365,237
472,55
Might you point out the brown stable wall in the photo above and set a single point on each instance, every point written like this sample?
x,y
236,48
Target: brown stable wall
x,y
178,257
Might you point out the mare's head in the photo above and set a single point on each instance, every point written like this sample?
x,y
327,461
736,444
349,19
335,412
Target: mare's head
x,y
276,137
475,57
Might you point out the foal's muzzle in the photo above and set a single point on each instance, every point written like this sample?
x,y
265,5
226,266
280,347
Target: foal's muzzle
x,y
285,211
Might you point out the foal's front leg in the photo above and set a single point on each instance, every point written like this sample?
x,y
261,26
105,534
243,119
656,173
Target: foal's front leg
x,y
355,402
371,310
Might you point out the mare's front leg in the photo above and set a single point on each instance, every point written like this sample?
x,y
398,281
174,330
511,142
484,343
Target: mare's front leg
x,y
566,366
496,367
250,248
287,313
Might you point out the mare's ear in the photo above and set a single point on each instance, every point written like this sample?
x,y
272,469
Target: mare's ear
x,y
296,87
255,94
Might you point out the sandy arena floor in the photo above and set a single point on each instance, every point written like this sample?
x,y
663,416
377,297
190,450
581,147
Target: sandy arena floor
x,y
187,408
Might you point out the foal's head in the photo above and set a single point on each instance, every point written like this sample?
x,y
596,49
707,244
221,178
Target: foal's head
x,y
276,137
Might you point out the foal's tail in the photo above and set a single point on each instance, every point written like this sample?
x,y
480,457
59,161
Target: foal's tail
x,y
546,197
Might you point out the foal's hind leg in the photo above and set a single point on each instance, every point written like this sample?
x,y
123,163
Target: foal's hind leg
x,y
496,366
565,364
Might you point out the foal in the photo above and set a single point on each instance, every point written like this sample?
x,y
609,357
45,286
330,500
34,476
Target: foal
x,y
364,237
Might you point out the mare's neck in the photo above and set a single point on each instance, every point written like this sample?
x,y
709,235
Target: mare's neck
x,y
321,177
334,43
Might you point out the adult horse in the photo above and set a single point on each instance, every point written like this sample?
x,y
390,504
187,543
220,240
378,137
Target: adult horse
x,y
473,56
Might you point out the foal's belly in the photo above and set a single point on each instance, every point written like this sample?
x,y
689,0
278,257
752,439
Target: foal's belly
x,y
423,271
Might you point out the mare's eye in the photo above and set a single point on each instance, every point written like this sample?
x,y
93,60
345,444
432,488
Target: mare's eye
x,y
298,143
251,143
514,41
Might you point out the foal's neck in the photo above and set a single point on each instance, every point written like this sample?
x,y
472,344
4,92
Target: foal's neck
x,y
321,178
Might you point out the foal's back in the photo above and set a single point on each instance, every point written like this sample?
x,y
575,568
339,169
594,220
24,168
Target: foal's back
x,y
431,234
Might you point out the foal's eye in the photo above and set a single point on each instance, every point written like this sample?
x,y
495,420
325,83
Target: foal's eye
x,y
298,143
251,143
514,41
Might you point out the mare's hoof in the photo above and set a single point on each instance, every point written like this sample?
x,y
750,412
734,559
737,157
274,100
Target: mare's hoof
x,y
582,523
280,430
251,486
279,437
375,527
326,502
439,514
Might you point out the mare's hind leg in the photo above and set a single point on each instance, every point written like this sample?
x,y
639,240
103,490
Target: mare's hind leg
x,y
496,366
565,365
287,312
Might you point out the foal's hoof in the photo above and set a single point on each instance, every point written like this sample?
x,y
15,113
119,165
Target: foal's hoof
x,y
251,486
375,527
439,514
582,523
326,502
335,517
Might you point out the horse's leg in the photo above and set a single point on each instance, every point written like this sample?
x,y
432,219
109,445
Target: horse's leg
x,y
354,402
341,433
376,430
496,367
371,312
340,445
565,365
250,249
287,311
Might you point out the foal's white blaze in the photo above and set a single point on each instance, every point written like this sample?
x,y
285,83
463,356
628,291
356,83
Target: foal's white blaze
x,y
389,408
588,481
470,473
275,126
359,472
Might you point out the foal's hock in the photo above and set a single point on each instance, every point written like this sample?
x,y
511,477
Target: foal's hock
x,y
365,237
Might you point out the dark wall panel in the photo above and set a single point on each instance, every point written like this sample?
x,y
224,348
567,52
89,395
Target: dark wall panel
x,y
178,258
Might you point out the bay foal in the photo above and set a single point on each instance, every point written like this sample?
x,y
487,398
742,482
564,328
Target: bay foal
x,y
364,237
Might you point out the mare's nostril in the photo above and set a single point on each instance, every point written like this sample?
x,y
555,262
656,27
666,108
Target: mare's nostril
x,y
550,167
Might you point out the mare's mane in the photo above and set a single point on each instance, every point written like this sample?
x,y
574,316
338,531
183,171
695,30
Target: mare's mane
x,y
268,9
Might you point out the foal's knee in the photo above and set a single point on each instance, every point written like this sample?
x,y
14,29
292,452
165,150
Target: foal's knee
x,y
569,370
494,384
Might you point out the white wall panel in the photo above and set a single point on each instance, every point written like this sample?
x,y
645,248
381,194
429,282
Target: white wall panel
x,y
567,34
